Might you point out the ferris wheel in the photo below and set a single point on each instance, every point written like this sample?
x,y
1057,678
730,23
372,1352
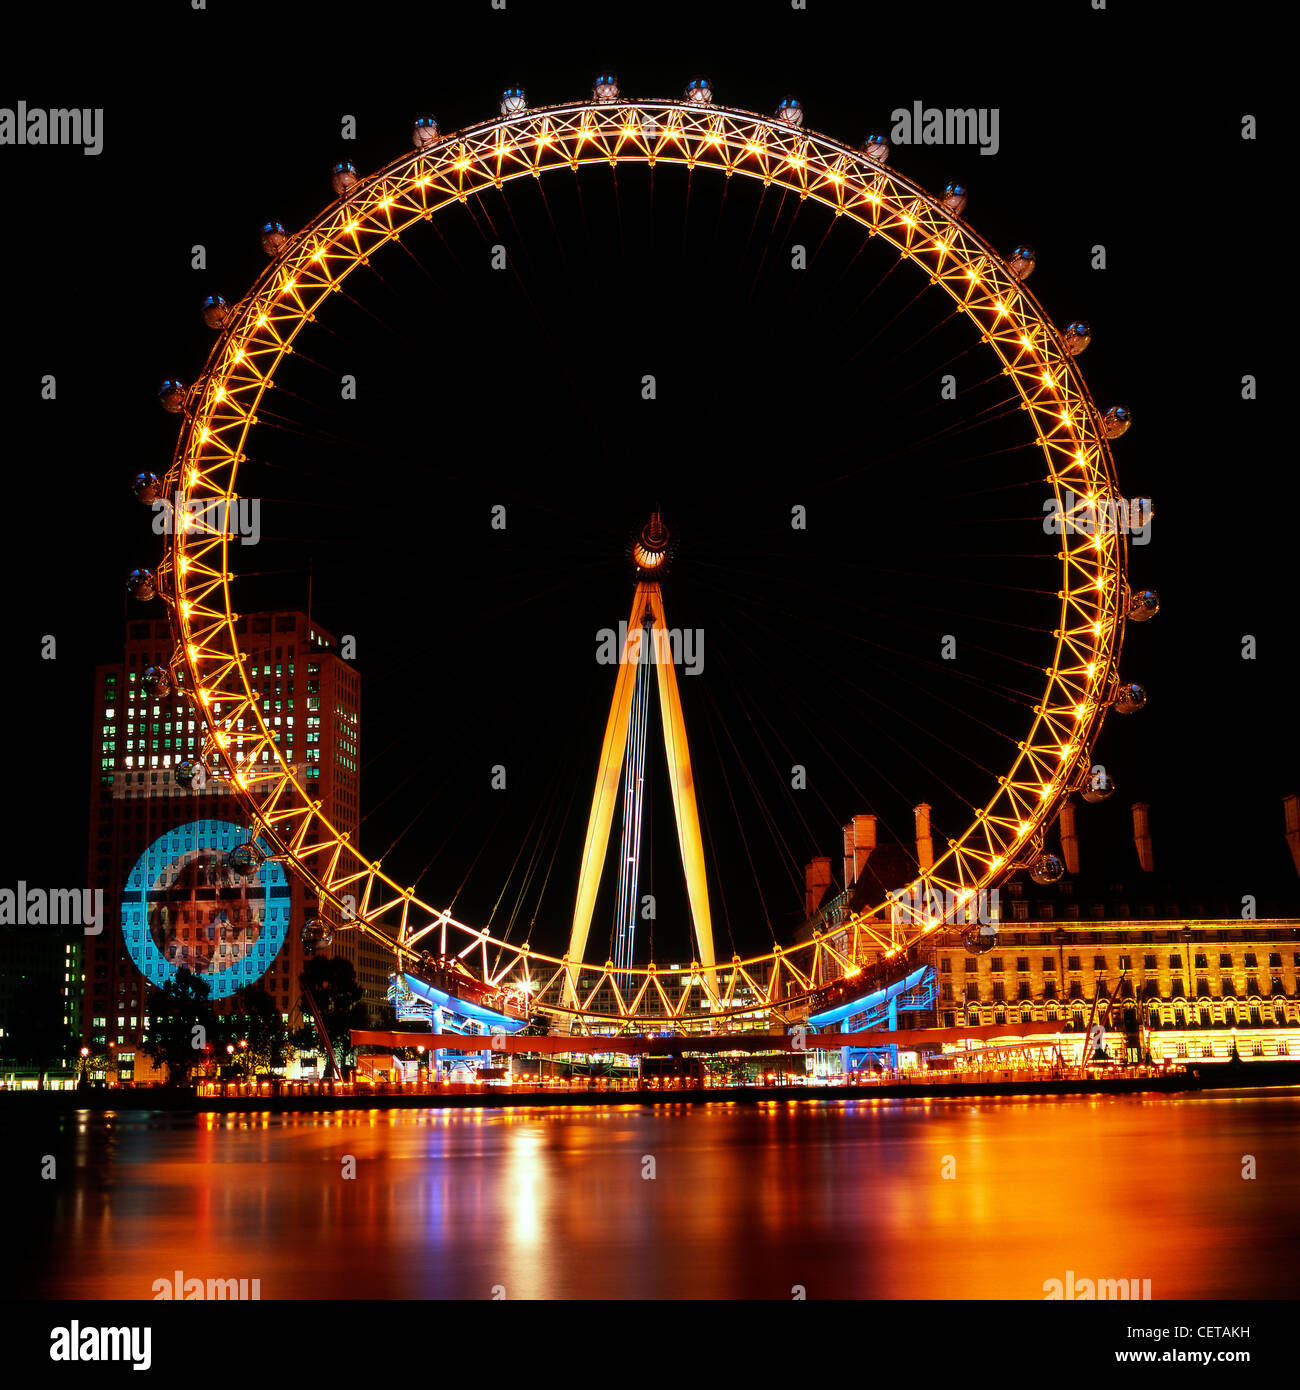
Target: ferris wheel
x,y
258,333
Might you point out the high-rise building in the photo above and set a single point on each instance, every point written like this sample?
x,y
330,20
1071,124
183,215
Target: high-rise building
x,y
157,841
42,974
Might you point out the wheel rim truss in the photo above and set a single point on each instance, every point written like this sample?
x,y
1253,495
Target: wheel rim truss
x,y
195,574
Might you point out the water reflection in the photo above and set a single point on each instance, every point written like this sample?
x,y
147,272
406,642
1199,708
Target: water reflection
x,y
861,1199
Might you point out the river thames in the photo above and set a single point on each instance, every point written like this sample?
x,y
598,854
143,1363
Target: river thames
x,y
947,1199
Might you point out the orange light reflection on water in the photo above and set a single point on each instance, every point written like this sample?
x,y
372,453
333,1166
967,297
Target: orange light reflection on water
x,y
857,1199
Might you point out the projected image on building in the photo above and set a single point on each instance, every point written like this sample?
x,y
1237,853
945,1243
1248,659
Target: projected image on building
x,y
185,906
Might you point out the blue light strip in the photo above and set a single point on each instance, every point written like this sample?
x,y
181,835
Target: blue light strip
x,y
867,1001
461,1007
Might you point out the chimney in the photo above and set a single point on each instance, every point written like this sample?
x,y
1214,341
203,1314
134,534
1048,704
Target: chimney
x,y
1291,805
1069,839
817,879
859,841
924,844
1142,836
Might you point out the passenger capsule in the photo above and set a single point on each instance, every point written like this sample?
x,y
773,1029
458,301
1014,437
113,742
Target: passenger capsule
x,y
1129,699
215,311
513,101
605,87
1021,262
954,199
1143,606
876,148
156,681
171,394
790,111
343,178
147,488
1047,868
273,237
244,859
313,935
1101,787
699,91
1116,421
1076,337
977,940
141,584
424,132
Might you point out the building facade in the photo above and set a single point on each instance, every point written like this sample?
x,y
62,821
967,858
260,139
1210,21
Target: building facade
x,y
157,838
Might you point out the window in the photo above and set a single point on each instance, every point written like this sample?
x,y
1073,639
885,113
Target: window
x,y
999,992
1175,962
1200,961
945,991
1149,962
945,966
997,965
1099,962
1250,960
1225,961
1072,963
1126,962
1020,911
1048,964
1022,963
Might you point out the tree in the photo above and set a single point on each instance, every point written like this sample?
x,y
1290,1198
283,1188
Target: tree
x,y
333,984
181,1024
259,1023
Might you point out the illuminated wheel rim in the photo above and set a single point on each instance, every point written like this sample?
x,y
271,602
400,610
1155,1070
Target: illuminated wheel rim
x,y
1052,758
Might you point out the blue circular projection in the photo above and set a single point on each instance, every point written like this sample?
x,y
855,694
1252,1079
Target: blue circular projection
x,y
184,906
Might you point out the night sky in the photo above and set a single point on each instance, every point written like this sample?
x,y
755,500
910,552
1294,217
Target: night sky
x,y
774,387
